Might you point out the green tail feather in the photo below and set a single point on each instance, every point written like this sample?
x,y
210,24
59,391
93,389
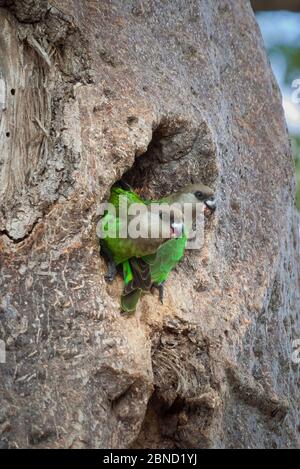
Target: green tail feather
x,y
136,275
127,272
129,302
139,273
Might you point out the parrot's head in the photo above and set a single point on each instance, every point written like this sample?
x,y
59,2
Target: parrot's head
x,y
196,194
154,226
172,221
164,222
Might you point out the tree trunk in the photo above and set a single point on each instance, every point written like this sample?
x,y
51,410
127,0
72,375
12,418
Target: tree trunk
x,y
170,93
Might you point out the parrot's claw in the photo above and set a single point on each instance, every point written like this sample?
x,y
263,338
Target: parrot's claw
x,y
109,278
161,293
160,289
112,272
111,265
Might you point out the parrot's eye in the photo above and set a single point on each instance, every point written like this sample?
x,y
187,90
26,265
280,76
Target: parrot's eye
x,y
199,195
162,215
165,216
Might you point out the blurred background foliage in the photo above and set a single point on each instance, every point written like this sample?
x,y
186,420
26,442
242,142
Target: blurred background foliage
x,y
281,34
291,56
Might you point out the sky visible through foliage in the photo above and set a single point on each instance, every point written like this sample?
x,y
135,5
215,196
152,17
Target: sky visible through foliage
x,y
281,34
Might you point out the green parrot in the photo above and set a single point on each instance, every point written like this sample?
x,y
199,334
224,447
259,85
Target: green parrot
x,y
145,263
127,250
163,261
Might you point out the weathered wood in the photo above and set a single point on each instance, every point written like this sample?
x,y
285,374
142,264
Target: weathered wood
x,y
171,93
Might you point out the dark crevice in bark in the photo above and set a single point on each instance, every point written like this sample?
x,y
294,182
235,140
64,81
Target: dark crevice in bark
x,y
178,141
24,238
27,11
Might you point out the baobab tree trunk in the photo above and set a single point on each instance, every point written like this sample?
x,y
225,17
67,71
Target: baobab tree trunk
x,y
170,93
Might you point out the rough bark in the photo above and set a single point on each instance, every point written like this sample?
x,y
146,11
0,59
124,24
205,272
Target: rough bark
x,y
90,91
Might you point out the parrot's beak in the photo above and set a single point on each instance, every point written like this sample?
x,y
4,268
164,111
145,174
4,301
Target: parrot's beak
x,y
176,230
211,204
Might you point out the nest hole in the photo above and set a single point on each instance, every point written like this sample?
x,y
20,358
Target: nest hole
x,y
160,424
180,152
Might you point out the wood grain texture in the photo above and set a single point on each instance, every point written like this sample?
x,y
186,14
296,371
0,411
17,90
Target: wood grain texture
x,y
171,93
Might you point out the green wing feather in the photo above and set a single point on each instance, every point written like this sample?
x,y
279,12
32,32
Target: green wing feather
x,y
127,272
161,264
136,276
129,302
141,276
131,197
121,248
165,259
